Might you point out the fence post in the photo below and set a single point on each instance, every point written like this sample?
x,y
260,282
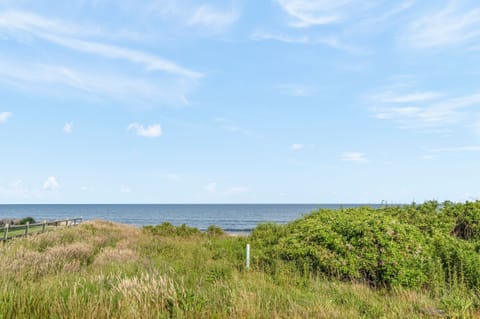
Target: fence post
x,y
44,225
27,228
5,232
247,262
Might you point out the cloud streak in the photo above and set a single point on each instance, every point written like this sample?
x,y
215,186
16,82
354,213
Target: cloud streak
x,y
65,35
356,157
307,13
422,109
447,27
212,18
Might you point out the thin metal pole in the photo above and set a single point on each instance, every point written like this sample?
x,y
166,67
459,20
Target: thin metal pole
x,y
247,262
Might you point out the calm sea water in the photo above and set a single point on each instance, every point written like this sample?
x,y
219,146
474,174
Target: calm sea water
x,y
230,217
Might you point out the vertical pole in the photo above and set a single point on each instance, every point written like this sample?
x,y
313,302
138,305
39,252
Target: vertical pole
x,y
5,232
247,262
44,225
27,226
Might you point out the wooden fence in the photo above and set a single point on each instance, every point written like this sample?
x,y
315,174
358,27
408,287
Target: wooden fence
x,y
13,231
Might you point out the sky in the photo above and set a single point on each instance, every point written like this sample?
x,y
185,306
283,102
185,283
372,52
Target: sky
x,y
243,101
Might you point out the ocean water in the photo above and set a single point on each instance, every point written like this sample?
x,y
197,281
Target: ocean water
x,y
230,217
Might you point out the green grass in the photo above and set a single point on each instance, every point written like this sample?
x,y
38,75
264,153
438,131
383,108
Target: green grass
x,y
21,231
107,270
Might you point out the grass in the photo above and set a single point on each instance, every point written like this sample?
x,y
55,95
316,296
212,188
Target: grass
x,y
107,270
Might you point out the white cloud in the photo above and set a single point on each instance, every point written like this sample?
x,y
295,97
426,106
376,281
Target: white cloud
x,y
236,190
307,13
4,116
425,110
297,147
51,184
354,157
154,130
333,42
392,97
45,78
151,78
212,18
211,187
447,27
68,128
66,35
151,62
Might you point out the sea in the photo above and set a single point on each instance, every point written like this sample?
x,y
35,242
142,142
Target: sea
x,y
232,218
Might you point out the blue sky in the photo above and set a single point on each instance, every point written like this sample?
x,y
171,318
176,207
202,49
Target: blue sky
x,y
163,101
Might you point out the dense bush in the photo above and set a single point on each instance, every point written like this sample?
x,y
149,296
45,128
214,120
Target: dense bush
x,y
168,229
25,220
412,246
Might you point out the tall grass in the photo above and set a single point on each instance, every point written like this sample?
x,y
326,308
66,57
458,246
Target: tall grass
x,y
107,270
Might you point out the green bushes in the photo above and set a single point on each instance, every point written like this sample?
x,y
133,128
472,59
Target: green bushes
x,y
423,245
168,229
107,270
26,220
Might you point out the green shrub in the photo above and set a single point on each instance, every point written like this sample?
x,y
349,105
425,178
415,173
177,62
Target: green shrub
x,y
168,229
213,230
24,221
411,246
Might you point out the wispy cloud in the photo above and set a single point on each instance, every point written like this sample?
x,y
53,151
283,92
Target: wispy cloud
x,y
307,13
66,35
206,18
68,128
164,80
151,62
421,109
297,147
46,78
212,18
451,25
154,130
354,157
51,184
333,42
4,116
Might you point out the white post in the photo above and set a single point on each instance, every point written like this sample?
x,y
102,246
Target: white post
x,y
247,264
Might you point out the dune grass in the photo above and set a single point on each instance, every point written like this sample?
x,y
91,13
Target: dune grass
x,y
106,270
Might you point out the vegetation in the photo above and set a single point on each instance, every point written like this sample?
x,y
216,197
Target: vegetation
x,y
26,220
416,261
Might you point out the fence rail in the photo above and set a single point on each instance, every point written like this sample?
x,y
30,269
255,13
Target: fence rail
x,y
13,231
